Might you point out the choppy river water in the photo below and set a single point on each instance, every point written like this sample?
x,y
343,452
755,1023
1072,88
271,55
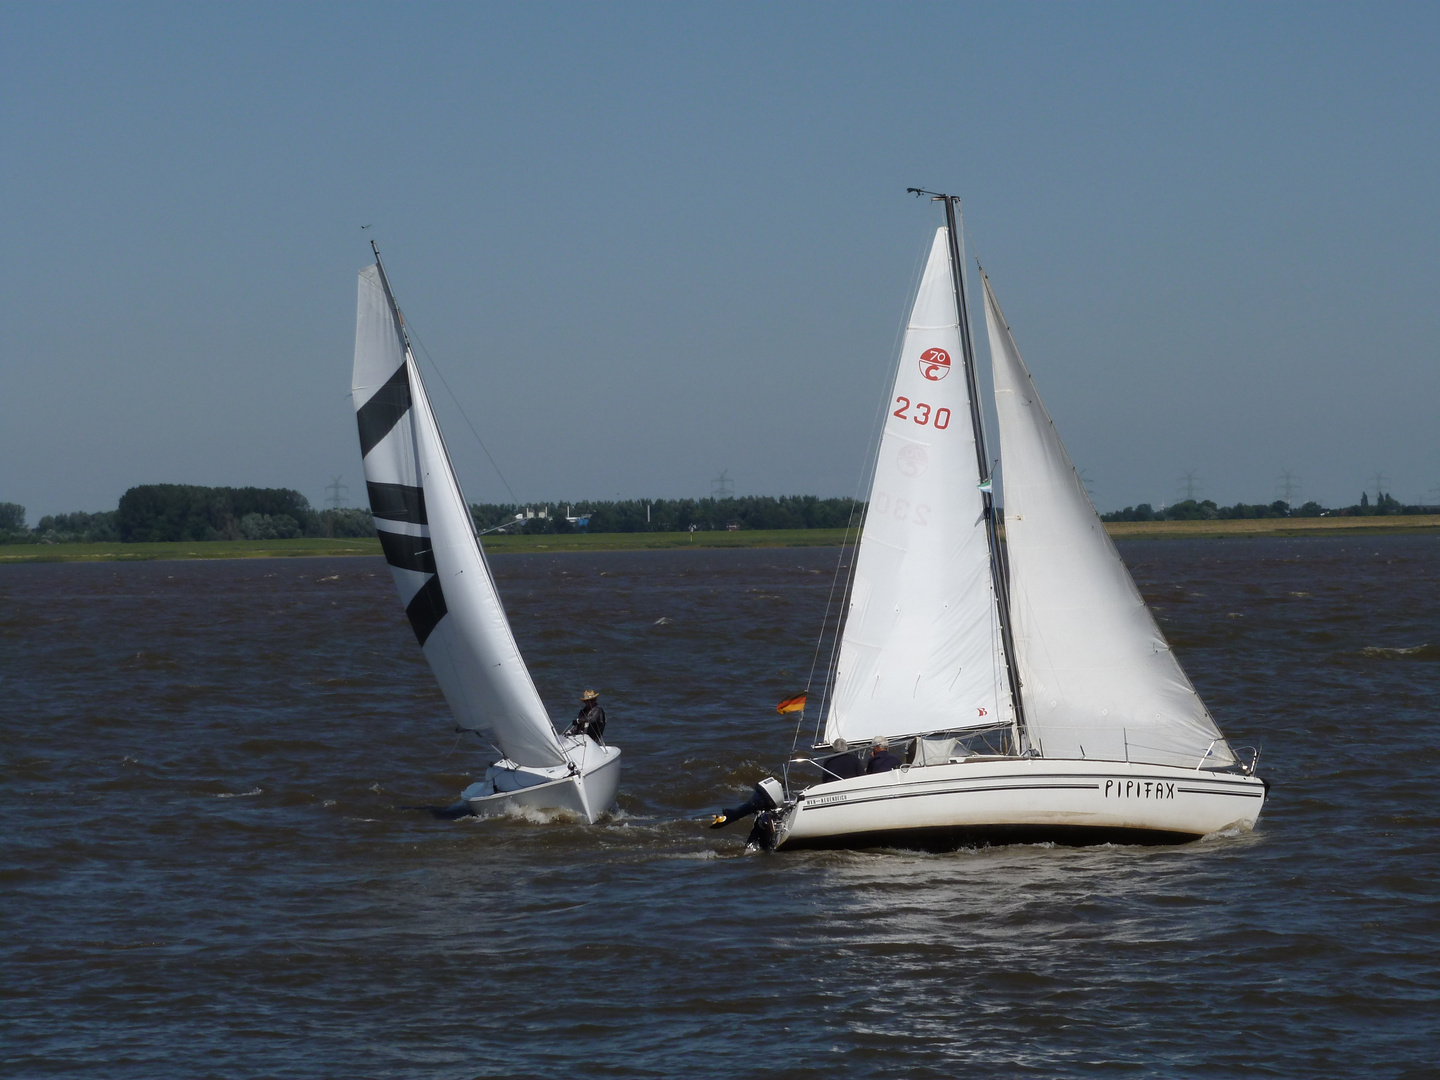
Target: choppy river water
x,y
204,869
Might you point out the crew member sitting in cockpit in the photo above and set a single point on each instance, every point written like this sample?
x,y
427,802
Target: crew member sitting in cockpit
x,y
591,718
881,759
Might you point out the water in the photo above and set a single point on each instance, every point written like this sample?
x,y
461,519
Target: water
x,y
205,872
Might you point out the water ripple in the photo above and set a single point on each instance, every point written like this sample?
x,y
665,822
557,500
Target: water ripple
x,y
207,870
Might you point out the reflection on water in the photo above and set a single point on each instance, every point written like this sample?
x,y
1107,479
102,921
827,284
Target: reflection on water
x,y
206,871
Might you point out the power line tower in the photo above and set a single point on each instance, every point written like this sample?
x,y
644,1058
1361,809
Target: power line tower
x,y
722,487
1379,481
1191,485
1288,487
337,491
1089,484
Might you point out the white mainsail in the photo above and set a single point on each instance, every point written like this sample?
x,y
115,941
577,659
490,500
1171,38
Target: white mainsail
x,y
429,540
1097,677
921,648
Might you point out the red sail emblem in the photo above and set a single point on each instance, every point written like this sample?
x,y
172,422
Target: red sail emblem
x,y
935,364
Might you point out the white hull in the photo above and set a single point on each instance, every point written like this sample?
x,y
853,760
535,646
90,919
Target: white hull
x,y
587,791
1020,800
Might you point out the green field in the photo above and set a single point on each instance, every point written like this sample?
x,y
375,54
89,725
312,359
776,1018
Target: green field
x,y
1320,526
753,538
496,544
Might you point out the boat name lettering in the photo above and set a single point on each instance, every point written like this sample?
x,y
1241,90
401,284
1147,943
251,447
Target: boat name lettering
x,y
923,413
823,799
1139,789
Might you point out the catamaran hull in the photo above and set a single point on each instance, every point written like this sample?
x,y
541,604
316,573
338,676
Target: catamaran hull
x,y
944,807
587,793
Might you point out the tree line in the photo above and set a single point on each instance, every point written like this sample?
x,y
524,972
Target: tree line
x,y
176,512
184,512
1207,510
171,512
671,515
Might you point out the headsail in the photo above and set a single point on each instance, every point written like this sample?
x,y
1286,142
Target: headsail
x,y
429,540
1098,678
921,646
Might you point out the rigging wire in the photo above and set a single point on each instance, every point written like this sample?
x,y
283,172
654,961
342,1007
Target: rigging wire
x,y
999,682
410,326
867,476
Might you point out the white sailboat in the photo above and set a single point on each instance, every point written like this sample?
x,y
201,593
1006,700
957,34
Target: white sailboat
x,y
445,582
1038,702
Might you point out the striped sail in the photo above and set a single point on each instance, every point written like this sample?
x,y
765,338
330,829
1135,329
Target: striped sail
x,y
429,541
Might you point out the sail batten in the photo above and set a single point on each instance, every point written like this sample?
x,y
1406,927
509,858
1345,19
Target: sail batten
x,y
1099,678
429,541
920,647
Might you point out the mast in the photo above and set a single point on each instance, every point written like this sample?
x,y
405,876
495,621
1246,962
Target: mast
x,y
999,579
394,307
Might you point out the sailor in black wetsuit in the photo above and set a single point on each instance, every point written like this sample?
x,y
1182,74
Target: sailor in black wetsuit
x,y
591,718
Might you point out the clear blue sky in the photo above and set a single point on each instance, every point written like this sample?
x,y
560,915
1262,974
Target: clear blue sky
x,y
648,243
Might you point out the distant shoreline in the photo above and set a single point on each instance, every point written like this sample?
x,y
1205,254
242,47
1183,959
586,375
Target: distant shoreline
x,y
750,538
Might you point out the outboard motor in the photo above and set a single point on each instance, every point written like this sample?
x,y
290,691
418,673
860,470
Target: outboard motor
x,y
768,794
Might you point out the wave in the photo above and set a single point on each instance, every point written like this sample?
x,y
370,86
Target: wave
x,y
529,814
239,794
1414,652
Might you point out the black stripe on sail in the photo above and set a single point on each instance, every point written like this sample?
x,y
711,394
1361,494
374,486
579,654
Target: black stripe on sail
x,y
408,552
383,411
426,609
397,502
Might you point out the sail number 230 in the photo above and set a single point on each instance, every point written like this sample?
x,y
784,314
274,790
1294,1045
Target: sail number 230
x,y
922,413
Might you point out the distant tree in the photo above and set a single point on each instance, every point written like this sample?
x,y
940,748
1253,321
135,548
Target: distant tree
x,y
667,515
1190,510
1143,512
12,517
158,512
269,527
75,528
346,524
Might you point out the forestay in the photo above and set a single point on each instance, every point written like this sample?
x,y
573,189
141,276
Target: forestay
x,y
429,541
920,650
1097,677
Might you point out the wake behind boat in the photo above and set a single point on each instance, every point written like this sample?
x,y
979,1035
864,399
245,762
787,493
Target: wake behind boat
x,y
1026,691
445,582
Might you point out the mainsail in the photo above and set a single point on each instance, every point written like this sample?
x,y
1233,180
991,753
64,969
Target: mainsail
x,y
1098,678
429,541
921,650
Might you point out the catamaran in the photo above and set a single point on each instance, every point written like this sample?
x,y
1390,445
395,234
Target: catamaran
x,y
1023,683
445,583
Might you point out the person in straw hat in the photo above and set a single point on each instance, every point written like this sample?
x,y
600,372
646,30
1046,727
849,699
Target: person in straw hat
x,y
591,718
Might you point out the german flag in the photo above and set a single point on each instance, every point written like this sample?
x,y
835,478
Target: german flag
x,y
791,704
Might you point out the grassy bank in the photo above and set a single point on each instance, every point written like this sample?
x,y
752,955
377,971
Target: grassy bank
x,y
1321,526
190,549
754,538
496,544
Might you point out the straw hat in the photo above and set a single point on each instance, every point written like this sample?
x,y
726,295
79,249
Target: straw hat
x,y
590,695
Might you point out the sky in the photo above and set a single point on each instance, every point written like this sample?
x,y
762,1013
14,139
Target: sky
x,y
645,244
